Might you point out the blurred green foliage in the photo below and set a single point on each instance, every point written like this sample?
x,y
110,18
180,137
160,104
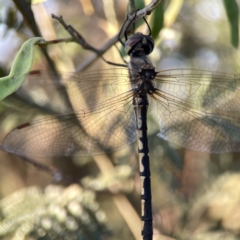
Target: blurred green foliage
x,y
58,213
157,21
232,11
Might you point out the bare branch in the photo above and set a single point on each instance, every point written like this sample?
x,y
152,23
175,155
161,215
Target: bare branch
x,y
131,10
132,6
94,57
139,14
76,37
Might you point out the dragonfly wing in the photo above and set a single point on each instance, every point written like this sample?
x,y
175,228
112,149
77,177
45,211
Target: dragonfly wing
x,y
199,110
108,127
97,114
64,93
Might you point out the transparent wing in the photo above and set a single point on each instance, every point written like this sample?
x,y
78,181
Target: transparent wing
x,y
195,109
105,123
199,110
65,92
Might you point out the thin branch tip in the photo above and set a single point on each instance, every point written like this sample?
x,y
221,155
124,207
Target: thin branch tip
x,y
59,18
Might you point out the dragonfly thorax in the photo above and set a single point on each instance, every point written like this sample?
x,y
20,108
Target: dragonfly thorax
x,y
142,78
145,82
142,72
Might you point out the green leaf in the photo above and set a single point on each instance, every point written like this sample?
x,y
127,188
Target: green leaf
x,y
21,65
232,12
139,4
157,20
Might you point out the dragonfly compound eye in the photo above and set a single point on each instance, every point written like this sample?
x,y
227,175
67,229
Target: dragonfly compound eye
x,y
139,44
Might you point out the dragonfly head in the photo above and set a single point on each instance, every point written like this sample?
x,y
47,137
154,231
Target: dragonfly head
x,y
139,44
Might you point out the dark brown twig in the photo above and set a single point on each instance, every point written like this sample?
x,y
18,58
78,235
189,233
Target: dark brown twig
x,y
76,37
141,13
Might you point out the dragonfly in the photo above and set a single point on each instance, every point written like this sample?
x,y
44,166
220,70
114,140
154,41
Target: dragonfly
x,y
104,110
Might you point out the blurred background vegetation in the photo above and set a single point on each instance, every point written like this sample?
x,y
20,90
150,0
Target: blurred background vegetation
x,y
195,195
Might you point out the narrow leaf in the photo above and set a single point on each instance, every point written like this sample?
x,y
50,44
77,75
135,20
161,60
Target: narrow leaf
x,y
139,4
21,65
157,20
232,12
